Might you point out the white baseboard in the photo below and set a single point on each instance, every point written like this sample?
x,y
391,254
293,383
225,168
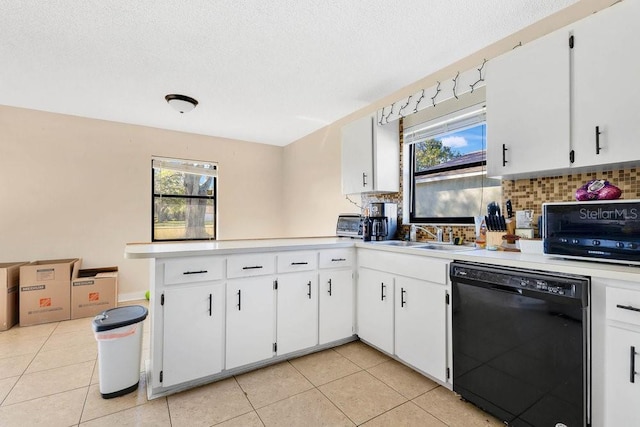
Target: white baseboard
x,y
133,296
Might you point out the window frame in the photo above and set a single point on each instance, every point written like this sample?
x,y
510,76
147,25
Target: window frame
x,y
437,123
155,195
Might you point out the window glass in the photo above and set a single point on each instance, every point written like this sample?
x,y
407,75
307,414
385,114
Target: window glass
x,y
447,161
184,200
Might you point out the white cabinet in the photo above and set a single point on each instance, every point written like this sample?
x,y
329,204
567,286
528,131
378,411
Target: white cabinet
x,y
528,115
623,386
375,308
370,157
193,333
250,320
297,309
421,325
404,309
622,361
336,305
606,98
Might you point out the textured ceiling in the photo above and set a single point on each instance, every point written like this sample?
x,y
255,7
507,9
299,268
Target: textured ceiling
x,y
263,71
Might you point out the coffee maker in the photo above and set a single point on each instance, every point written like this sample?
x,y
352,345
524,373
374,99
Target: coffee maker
x,y
384,220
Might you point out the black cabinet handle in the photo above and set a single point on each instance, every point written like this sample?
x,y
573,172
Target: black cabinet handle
x,y
309,293
382,286
239,299
598,139
299,263
195,272
402,301
627,307
504,155
364,179
632,367
329,287
254,267
337,259
210,304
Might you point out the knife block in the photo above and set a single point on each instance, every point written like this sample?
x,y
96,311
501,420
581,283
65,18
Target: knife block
x,y
494,238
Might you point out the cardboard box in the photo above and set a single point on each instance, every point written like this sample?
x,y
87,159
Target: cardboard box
x,y
9,282
93,291
45,290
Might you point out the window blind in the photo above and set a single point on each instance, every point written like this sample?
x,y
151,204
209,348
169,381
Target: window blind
x,y
186,166
459,120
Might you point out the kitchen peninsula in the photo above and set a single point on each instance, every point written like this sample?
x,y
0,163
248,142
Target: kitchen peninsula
x,y
225,307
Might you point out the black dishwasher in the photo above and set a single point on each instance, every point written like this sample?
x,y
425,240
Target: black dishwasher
x,y
521,348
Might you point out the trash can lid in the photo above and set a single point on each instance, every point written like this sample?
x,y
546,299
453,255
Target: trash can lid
x,y
119,317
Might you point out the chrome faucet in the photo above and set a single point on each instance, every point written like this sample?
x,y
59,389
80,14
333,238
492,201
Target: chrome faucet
x,y
437,236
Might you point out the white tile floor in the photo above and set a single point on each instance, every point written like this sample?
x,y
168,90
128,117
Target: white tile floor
x,y
49,377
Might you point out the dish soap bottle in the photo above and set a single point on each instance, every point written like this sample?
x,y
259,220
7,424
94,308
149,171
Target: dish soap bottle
x,y
481,239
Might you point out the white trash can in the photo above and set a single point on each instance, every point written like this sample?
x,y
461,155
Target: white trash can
x,y
119,335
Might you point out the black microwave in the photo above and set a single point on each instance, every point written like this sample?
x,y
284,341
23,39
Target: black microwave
x,y
606,230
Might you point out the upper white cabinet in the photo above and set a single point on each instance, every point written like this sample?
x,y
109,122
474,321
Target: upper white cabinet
x,y
370,157
528,108
556,108
606,97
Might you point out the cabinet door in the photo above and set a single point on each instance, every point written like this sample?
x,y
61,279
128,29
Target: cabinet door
x,y
336,305
528,107
375,308
193,342
606,64
250,320
420,327
297,312
357,156
622,395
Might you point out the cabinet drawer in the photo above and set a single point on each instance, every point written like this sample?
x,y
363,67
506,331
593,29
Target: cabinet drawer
x,y
336,258
193,269
623,305
297,261
251,265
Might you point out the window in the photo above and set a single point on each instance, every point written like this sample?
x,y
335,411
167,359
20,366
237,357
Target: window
x,y
184,199
447,158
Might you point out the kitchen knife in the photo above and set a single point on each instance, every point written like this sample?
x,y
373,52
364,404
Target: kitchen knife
x,y
509,209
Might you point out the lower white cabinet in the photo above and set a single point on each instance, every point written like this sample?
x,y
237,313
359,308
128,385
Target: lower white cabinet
x,y
622,358
336,305
193,332
375,308
421,325
250,320
297,326
622,381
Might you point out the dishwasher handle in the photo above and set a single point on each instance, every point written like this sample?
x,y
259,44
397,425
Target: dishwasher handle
x,y
508,289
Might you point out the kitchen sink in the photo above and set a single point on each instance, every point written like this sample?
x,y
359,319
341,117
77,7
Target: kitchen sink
x,y
402,243
446,247
435,246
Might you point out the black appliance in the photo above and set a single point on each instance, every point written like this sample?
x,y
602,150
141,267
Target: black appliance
x,y
605,230
384,220
521,348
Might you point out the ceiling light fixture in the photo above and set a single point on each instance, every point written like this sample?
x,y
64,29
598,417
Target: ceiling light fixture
x,y
181,103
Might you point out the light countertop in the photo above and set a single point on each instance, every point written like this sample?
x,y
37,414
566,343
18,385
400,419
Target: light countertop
x,y
508,259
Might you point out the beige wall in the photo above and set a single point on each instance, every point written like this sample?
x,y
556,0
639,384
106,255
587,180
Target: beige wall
x,y
76,187
312,190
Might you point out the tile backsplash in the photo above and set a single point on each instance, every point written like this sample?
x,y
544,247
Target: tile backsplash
x,y
525,193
